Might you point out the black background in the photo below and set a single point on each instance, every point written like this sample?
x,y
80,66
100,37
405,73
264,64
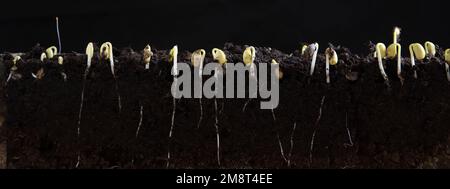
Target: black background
x,y
206,24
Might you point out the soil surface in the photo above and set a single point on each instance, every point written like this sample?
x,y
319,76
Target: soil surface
x,y
357,121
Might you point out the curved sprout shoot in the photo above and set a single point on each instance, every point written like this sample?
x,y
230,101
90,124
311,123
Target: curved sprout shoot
x,y
13,68
304,47
381,53
43,57
416,51
313,49
106,51
331,58
219,55
147,56
430,49
249,55
89,55
248,58
396,36
173,57
278,72
197,59
447,65
51,51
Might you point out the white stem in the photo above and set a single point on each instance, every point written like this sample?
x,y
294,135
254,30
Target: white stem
x,y
147,66
413,62
327,67
447,71
381,66
313,61
399,61
81,108
59,36
174,102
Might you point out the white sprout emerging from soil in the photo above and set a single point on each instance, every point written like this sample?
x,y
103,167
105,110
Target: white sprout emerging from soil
x,y
381,53
287,158
316,125
106,51
61,62
430,49
416,51
447,65
248,58
220,56
173,57
13,69
330,58
89,55
197,59
395,49
147,55
312,51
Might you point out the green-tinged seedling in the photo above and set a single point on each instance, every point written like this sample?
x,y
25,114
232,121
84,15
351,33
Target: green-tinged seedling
x,y
416,51
381,53
302,51
331,58
89,55
147,56
447,66
430,49
197,59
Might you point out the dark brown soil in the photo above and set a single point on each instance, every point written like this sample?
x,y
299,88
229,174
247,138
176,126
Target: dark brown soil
x,y
391,125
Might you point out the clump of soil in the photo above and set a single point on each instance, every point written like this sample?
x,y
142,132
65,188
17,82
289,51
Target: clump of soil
x,y
357,121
